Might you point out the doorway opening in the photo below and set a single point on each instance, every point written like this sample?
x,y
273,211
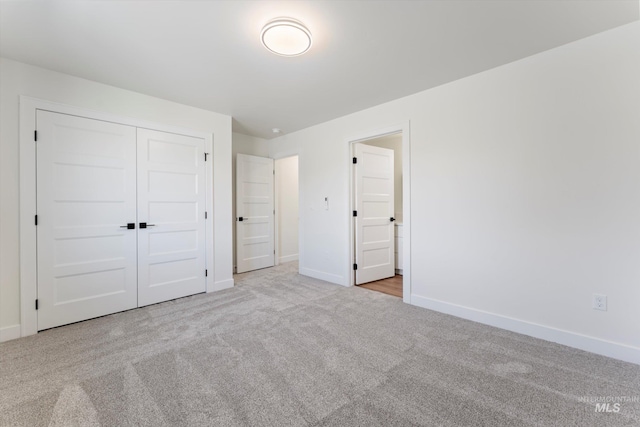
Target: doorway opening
x,y
266,207
380,205
389,286
286,202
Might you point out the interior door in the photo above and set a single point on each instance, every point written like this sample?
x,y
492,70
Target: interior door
x,y
86,196
374,220
254,213
171,216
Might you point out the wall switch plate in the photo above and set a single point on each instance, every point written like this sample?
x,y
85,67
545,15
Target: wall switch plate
x,y
599,302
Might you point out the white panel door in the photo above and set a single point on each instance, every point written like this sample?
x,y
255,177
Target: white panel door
x,y
254,211
171,216
374,220
86,195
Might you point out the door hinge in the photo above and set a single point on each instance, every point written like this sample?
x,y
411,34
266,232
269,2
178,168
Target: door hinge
x,y
355,213
206,273
36,304
355,160
205,156
36,221
205,215
355,266
35,135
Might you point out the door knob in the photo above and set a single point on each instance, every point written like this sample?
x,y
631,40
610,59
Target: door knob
x,y
129,226
240,219
145,225
392,219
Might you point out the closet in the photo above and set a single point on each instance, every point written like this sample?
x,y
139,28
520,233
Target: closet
x,y
120,217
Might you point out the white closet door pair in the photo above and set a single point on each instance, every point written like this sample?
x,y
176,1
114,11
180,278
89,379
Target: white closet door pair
x,y
120,217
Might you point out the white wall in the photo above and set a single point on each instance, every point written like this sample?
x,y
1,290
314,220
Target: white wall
x,y
525,193
286,191
393,142
244,144
20,79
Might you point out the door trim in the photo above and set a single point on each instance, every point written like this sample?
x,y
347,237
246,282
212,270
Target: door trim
x,y
404,128
28,236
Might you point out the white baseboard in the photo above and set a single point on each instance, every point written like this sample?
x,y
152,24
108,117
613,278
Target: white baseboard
x,y
571,339
222,284
288,258
327,277
9,333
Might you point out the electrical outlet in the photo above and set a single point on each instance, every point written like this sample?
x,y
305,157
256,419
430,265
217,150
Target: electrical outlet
x,y
599,302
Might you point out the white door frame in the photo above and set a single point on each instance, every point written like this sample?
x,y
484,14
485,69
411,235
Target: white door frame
x,y
403,127
28,235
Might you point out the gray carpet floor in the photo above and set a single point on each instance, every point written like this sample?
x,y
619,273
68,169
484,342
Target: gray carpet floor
x,y
280,349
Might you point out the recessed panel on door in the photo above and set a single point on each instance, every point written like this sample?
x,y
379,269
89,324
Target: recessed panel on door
x,y
171,216
86,195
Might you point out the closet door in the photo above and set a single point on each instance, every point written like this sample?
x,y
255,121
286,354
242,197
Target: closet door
x,y
86,196
171,216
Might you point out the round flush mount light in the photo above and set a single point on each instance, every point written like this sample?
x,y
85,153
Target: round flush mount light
x,y
286,37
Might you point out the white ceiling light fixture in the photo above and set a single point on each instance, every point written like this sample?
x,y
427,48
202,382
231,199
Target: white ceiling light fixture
x,y
286,37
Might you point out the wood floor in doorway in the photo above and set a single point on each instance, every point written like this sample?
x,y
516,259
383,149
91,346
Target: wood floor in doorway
x,y
391,286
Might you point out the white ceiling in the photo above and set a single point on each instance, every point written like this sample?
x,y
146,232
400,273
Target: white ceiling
x,y
207,53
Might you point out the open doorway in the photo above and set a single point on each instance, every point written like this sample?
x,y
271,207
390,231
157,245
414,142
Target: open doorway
x,y
378,214
286,207
379,198
266,211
